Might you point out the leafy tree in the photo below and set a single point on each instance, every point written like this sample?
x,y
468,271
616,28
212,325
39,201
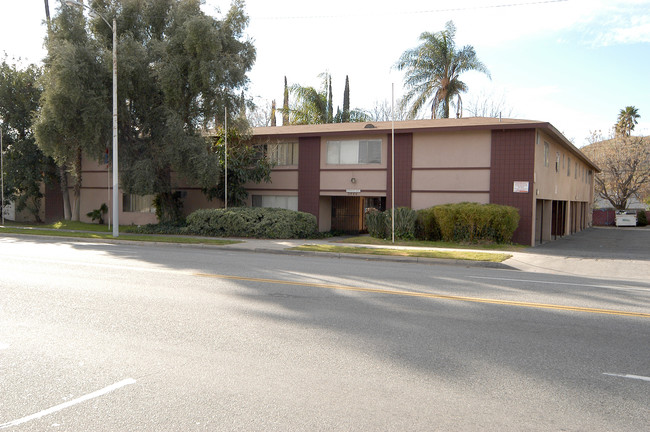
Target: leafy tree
x,y
625,167
627,119
310,105
25,166
75,104
433,71
246,164
177,70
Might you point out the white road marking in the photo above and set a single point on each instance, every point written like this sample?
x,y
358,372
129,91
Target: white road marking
x,y
69,403
559,283
637,377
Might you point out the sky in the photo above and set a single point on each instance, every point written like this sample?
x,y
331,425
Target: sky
x,y
573,63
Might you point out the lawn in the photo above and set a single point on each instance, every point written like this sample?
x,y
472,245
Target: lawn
x,y
454,255
367,240
100,232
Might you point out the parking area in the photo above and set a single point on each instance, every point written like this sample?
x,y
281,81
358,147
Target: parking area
x,y
607,252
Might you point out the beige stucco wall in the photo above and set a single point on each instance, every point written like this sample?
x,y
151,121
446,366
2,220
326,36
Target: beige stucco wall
x,y
325,214
370,182
452,149
451,167
446,180
552,184
425,200
280,179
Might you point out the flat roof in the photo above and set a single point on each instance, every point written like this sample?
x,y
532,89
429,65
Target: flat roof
x,y
410,126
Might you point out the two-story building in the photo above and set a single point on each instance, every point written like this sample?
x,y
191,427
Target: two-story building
x,y
338,171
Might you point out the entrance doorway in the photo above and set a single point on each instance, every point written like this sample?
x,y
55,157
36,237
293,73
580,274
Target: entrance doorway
x,y
348,212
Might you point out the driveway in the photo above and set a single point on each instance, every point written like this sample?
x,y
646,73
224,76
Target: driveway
x,y
605,252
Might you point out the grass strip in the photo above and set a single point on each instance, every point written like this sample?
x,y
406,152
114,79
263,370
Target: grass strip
x,y
366,239
455,255
109,236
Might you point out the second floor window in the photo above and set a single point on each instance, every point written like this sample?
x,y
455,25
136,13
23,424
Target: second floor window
x,y
282,154
354,152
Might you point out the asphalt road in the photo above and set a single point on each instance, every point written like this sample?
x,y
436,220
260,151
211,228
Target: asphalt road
x,y
119,337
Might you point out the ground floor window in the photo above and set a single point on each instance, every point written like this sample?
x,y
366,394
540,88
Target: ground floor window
x,y
276,201
133,203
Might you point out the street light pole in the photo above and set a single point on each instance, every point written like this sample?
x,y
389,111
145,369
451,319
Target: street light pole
x,y
2,178
116,205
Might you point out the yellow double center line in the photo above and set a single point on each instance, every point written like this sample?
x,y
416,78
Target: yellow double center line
x,y
432,296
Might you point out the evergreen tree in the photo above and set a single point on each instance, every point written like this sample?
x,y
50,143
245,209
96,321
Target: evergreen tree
x,y
330,106
285,106
345,118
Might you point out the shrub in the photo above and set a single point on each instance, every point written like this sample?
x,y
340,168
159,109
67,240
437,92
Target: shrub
x,y
376,223
379,224
404,223
641,218
255,222
426,225
98,214
471,222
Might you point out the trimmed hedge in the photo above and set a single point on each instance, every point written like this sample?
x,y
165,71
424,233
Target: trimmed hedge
x,y
257,222
471,222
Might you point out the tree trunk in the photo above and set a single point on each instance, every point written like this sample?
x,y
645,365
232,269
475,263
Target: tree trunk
x,y
63,177
76,215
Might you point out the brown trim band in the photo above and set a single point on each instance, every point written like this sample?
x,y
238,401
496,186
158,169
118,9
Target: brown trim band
x,y
452,191
344,191
450,168
352,169
271,190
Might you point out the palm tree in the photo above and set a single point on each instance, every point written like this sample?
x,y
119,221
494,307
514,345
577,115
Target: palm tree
x,y
433,72
627,118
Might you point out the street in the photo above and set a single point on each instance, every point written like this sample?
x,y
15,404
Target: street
x,y
125,337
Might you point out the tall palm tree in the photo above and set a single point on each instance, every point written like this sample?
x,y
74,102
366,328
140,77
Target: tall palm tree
x,y
433,72
627,118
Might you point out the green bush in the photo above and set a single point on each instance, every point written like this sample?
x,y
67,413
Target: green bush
x,y
376,223
379,224
426,225
641,218
254,222
472,222
404,223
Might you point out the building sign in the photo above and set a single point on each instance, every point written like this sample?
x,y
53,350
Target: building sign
x,y
520,187
353,191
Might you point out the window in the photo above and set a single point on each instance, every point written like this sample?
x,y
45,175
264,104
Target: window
x,y
575,173
132,203
282,154
546,154
352,152
557,162
276,201
568,167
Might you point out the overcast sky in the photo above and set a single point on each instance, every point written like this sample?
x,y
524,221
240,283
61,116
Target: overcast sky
x,y
573,63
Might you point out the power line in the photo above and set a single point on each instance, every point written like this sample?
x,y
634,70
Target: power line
x,y
430,11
